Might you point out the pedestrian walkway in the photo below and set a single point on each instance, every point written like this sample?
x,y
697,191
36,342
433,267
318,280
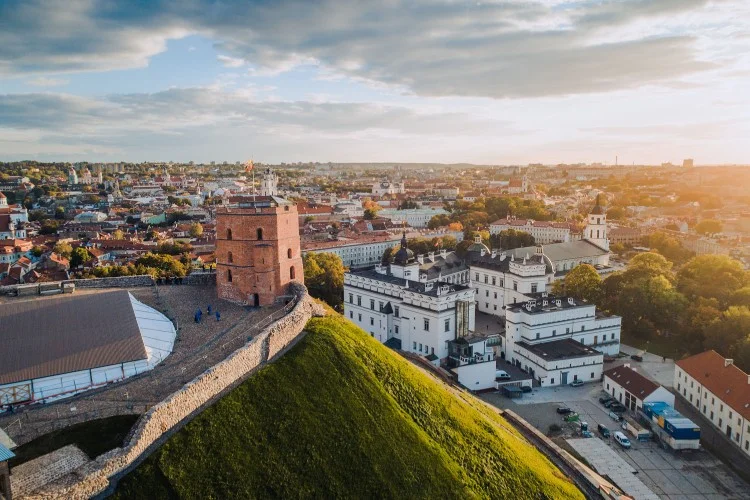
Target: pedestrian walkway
x,y
610,464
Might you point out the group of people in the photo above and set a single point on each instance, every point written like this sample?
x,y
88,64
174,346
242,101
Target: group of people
x,y
199,314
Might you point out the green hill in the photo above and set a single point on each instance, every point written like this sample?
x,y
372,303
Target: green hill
x,y
341,416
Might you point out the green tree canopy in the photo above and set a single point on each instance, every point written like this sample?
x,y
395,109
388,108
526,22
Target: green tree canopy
x,y
324,277
196,230
79,256
582,283
64,249
510,239
709,226
712,276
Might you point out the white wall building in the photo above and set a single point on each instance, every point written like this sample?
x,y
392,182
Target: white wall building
x,y
411,305
559,340
414,217
355,254
387,187
544,232
269,183
719,391
633,389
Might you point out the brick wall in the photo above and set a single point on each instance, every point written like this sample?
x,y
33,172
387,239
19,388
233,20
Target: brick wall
x,y
154,427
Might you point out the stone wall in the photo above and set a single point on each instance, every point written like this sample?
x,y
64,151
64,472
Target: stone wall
x,y
116,282
154,427
198,278
35,473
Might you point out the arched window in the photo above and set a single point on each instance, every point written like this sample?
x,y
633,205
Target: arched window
x,y
260,233
289,253
229,234
292,273
230,257
597,233
229,275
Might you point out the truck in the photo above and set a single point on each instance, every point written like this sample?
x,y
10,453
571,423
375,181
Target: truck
x,y
635,429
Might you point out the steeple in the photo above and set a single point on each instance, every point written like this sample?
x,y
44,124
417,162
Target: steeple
x,y
596,229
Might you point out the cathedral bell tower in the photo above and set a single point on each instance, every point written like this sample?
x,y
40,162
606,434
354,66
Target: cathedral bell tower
x,y
596,229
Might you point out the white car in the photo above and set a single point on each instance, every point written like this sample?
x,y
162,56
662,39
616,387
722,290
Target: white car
x,y
502,374
622,440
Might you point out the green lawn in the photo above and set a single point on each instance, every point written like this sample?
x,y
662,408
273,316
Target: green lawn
x,y
661,346
93,438
341,416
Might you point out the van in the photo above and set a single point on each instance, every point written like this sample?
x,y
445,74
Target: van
x,y
603,431
622,440
502,375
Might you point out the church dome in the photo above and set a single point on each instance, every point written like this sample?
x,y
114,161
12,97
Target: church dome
x,y
478,246
404,256
598,209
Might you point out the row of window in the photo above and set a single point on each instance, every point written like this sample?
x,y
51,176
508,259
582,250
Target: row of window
x,y
292,274
230,256
427,349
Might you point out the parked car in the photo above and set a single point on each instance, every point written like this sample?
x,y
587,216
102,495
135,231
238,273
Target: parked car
x,y
526,388
604,399
614,416
604,431
576,383
610,403
636,357
564,410
622,440
618,408
502,374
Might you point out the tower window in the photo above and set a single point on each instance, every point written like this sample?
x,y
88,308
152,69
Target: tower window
x,y
289,253
229,234
229,275
292,272
230,257
260,233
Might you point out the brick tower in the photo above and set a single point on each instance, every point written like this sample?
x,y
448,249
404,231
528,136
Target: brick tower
x,y
257,249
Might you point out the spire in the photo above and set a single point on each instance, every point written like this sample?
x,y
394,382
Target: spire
x,y
403,240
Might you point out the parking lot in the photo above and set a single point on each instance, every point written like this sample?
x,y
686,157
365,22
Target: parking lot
x,y
670,475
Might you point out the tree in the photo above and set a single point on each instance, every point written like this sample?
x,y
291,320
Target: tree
x,y
64,249
49,226
726,332
740,297
510,239
712,276
668,246
162,265
324,277
79,256
59,213
118,235
439,221
370,214
388,256
582,283
196,230
709,226
36,251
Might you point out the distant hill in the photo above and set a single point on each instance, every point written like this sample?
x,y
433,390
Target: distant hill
x,y
342,416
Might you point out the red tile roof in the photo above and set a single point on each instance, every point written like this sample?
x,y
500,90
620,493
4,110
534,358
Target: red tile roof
x,y
724,379
632,381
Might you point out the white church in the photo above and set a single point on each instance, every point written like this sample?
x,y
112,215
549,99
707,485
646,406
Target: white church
x,y
555,339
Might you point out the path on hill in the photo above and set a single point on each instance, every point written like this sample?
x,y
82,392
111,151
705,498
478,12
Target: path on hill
x,y
199,347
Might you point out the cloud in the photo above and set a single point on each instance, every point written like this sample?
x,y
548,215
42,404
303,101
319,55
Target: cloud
x,y
182,119
498,50
230,62
42,81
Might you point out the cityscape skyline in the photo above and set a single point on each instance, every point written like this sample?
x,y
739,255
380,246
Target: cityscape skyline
x,y
511,82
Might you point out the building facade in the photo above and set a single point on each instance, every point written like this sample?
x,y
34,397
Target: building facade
x,y
269,183
719,391
544,232
385,187
414,217
633,389
257,249
355,254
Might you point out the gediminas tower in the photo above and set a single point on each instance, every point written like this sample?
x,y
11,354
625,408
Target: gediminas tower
x,y
257,249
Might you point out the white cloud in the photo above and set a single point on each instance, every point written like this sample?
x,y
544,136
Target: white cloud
x,y
42,81
230,62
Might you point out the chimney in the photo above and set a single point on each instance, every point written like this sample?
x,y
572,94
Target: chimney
x,y
571,301
482,252
494,253
443,252
420,258
431,255
728,362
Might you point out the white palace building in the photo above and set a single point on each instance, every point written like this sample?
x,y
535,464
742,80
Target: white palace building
x,y
427,305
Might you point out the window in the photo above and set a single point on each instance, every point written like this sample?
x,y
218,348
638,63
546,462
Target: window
x,y
495,294
486,293
372,321
380,305
583,327
415,346
359,300
552,381
292,273
720,421
447,325
420,347
229,275
721,407
395,311
515,285
485,278
351,314
567,330
537,335
554,332
592,374
476,276
495,307
259,233
396,328
351,298
486,305
501,283
372,304
229,234
289,253
494,280
533,288
426,325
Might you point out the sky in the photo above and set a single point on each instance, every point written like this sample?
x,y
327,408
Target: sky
x,y
505,82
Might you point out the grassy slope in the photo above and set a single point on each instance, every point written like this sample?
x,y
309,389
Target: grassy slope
x,y
342,416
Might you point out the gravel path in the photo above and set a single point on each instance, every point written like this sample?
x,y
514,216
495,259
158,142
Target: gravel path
x,y
198,347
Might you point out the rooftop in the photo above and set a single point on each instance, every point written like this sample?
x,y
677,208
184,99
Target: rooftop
x,y
78,332
559,349
632,381
430,289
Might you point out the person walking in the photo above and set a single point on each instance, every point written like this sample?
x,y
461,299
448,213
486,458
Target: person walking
x,y
218,316
209,308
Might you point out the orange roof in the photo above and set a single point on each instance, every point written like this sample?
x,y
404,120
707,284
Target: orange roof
x,y
725,380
